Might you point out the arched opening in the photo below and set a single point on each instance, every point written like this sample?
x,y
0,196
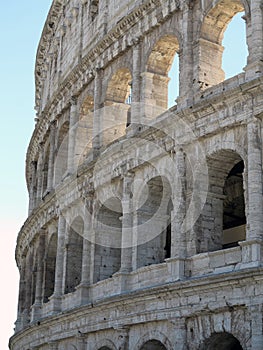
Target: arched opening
x,y
234,217
162,67
221,341
173,85
108,232
116,114
50,268
210,50
154,222
61,161
153,345
235,46
223,215
74,255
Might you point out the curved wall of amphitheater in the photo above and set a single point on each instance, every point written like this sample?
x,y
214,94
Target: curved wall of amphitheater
x,y
145,223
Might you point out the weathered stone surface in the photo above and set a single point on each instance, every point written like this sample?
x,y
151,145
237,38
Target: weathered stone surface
x,y
145,224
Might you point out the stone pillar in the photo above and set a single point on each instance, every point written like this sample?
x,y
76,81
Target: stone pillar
x,y
28,288
97,127
154,95
255,64
40,174
136,83
180,333
254,168
58,289
81,342
256,327
178,235
73,119
83,288
186,67
252,247
52,140
123,338
127,221
33,189
21,299
36,308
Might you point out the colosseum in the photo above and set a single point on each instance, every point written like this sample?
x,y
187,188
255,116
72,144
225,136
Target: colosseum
x,y
145,223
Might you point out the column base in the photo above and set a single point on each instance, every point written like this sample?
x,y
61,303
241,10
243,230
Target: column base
x,y
55,303
36,311
253,70
252,253
83,291
122,279
176,268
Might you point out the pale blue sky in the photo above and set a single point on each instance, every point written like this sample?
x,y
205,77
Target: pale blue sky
x,y
21,24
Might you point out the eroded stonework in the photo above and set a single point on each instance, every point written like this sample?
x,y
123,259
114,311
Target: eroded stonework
x,y
145,223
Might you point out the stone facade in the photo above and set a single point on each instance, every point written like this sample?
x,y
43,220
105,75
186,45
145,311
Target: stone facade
x,y
145,223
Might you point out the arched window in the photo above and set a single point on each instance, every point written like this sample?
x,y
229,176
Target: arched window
x,y
223,215
153,345
74,255
162,65
234,217
154,222
108,233
210,48
116,111
235,48
221,341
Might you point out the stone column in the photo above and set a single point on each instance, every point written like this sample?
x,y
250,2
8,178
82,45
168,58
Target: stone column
x,y
178,235
136,84
33,189
28,288
58,289
40,174
127,221
154,95
81,342
186,67
83,288
256,326
252,247
73,119
255,65
52,140
36,308
97,127
123,338
21,298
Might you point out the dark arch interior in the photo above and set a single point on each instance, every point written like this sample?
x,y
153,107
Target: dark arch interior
x,y
153,345
221,341
234,217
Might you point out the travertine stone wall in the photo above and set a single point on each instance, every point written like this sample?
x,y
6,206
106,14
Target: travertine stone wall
x,y
145,223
